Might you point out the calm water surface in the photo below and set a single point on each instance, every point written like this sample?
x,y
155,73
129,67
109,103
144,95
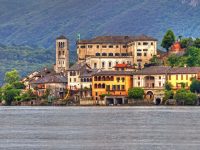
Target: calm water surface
x,y
99,128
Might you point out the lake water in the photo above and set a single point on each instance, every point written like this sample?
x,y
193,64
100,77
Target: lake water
x,y
99,128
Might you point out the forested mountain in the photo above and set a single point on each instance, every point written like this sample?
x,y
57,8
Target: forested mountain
x,y
36,23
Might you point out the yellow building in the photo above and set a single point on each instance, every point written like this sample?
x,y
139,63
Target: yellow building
x,y
182,75
113,84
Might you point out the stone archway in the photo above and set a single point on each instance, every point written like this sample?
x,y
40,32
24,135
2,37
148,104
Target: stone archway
x,y
158,101
149,95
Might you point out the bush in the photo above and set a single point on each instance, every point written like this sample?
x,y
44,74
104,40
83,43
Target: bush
x,y
185,97
168,95
136,93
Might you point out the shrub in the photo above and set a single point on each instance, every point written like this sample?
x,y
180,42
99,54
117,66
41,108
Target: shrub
x,y
136,93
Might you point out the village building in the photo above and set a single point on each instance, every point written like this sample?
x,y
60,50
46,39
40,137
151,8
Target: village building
x,y
152,80
104,52
56,84
35,76
80,80
177,76
111,87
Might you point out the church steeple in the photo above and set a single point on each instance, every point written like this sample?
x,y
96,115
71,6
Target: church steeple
x,y
62,54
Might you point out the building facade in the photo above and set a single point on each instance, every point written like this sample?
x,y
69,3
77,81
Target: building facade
x,y
62,54
178,76
111,87
152,80
104,52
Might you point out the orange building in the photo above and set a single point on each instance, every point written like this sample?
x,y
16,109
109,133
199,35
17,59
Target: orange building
x,y
111,87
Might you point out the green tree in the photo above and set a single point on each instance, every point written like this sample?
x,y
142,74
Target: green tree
x,y
173,60
185,97
195,86
197,43
12,76
186,42
193,54
168,86
168,95
136,93
168,39
155,60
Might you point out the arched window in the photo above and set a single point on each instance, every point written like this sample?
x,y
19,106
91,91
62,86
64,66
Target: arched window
x,y
97,54
117,54
88,80
104,54
95,78
103,85
84,79
95,86
99,86
110,54
110,64
103,65
99,78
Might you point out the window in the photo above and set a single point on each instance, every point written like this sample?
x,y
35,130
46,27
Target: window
x,y
110,64
124,46
59,52
110,54
169,77
145,54
138,77
116,62
145,50
124,54
118,87
181,77
82,46
145,43
151,43
89,46
104,54
159,77
187,77
70,80
97,54
139,54
110,46
117,54
96,93
117,46
118,79
138,83
123,79
63,52
103,64
139,50
95,65
176,77
123,87
74,79
159,84
113,87
139,43
97,46
104,46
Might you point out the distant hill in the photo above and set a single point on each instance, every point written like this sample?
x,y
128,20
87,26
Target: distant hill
x,y
37,23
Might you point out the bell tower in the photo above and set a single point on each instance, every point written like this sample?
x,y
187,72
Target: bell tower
x,y
62,54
